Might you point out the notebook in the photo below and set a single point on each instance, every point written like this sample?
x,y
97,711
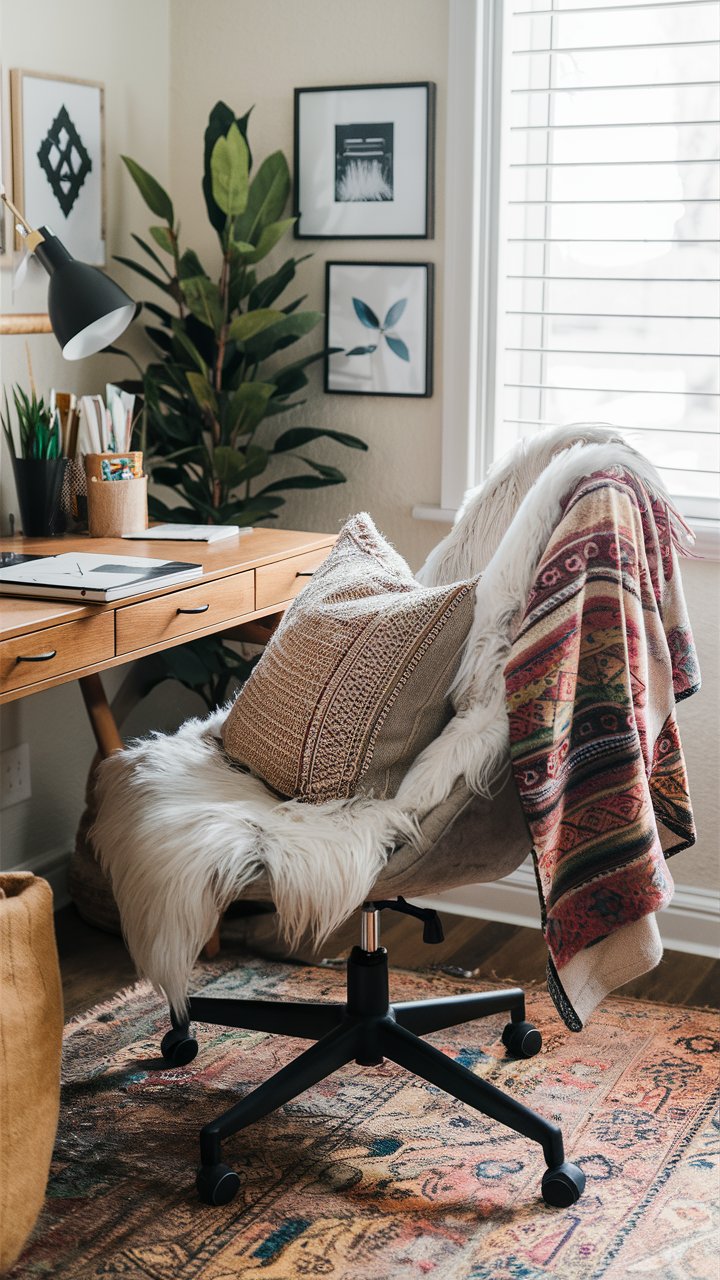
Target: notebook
x,y
189,532
92,579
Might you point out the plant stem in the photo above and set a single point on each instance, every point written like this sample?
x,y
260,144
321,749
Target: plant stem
x,y
176,260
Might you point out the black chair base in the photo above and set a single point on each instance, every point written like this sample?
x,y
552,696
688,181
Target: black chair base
x,y
368,1029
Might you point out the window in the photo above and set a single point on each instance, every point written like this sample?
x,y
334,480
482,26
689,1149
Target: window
x,y
582,225
608,288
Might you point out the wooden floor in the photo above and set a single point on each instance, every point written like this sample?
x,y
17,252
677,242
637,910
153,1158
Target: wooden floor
x,y
95,964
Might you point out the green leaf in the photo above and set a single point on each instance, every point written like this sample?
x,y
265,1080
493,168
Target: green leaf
x,y
159,510
160,337
293,306
163,316
143,271
243,249
229,169
276,407
151,253
203,393
168,476
156,199
189,348
247,406
184,665
269,237
291,377
296,437
190,265
296,482
246,326
221,117
267,290
279,335
164,238
252,509
203,299
267,197
234,466
332,474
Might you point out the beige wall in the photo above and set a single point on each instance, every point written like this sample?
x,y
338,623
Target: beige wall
x,y
159,93
699,720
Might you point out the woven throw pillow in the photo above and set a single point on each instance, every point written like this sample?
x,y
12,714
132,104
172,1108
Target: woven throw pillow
x,y
354,682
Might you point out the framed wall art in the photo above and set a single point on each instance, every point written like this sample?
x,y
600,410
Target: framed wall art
x,y
364,159
5,220
58,158
378,328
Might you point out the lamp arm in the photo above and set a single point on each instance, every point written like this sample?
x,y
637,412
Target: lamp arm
x,y
15,212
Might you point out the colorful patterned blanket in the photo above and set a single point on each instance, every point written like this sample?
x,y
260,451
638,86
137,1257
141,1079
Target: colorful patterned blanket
x,y
603,653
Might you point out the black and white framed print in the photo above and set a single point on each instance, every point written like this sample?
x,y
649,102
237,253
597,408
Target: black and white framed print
x,y
364,162
378,328
58,153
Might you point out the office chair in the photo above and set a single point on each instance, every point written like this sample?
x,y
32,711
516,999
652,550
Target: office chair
x,y
467,839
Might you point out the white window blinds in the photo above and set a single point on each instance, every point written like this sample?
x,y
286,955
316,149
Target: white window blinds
x,y
611,225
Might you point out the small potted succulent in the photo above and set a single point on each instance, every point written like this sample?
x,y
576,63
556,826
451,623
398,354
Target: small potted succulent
x,y
38,463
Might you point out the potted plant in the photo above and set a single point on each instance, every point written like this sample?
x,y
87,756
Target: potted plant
x,y
221,381
38,464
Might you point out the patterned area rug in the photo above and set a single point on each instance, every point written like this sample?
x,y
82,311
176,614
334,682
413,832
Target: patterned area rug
x,y
374,1175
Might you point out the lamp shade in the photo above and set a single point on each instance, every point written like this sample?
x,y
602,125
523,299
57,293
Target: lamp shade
x,y
87,309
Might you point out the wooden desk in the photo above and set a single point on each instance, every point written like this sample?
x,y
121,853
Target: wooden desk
x,y
46,642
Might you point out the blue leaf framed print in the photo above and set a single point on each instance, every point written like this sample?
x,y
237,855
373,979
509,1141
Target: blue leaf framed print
x,y
367,355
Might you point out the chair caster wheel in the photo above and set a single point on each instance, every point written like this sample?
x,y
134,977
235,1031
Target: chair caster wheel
x,y
217,1184
522,1039
563,1185
178,1047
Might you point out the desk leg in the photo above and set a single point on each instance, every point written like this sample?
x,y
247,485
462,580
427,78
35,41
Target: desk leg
x,y
107,734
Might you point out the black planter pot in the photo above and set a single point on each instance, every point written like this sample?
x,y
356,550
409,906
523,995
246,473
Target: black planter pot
x,y
38,482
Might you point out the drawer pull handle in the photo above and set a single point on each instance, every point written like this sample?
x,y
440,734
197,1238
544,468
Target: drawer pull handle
x,y
198,608
36,657
304,573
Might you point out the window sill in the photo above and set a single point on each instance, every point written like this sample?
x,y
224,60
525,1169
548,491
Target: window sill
x,y
707,532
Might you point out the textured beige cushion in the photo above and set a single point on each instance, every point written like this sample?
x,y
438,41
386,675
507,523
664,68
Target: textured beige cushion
x,y
354,683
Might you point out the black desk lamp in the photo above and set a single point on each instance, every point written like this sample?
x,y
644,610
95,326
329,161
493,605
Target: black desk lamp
x,y
87,310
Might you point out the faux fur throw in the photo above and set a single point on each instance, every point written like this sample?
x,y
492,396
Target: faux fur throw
x,y
182,834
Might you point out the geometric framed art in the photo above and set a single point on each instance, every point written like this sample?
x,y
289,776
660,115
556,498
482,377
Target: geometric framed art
x,y
364,162
58,157
5,220
379,328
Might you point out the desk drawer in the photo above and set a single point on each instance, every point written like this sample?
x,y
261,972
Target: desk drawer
x,y
277,582
154,622
69,647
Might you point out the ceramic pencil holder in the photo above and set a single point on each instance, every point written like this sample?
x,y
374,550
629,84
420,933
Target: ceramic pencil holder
x,y
116,507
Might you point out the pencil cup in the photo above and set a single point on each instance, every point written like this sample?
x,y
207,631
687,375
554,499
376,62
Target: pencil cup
x,y
117,507
94,463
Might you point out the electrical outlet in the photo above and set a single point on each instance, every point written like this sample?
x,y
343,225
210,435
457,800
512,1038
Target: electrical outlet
x,y
15,775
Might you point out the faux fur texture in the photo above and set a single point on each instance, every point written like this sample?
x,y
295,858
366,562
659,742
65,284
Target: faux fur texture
x,y
181,831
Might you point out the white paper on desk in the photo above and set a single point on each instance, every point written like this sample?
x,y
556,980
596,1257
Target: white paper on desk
x,y
189,532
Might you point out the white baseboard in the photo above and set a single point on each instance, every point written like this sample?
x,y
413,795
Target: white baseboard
x,y
53,867
691,923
